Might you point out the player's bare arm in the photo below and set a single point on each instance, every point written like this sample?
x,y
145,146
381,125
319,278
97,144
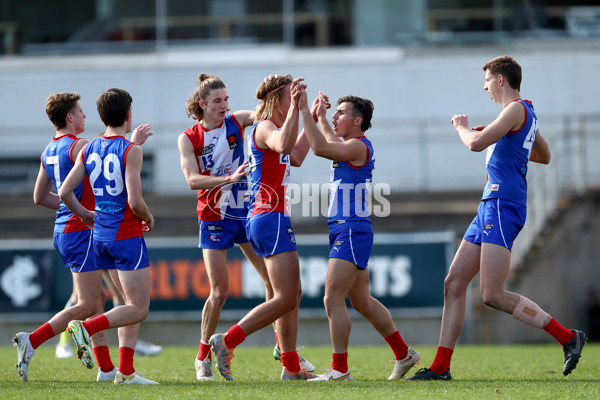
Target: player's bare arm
x,y
511,118
133,184
244,117
67,195
351,150
541,151
42,192
194,178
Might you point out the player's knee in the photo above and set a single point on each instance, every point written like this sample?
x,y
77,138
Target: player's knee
x,y
218,296
490,298
454,286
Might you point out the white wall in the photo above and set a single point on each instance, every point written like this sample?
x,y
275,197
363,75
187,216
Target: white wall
x,y
415,94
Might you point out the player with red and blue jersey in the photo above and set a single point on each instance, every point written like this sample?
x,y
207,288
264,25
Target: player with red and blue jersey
x,y
212,161
512,140
113,166
274,144
350,228
72,238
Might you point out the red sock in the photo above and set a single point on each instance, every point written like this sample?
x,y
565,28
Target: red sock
x,y
290,361
126,360
441,362
340,362
398,346
41,334
277,340
558,332
204,351
96,324
235,336
103,358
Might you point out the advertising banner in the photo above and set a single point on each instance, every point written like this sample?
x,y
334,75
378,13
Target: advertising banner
x,y
406,271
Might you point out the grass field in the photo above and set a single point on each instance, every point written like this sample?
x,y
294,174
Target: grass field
x,y
480,372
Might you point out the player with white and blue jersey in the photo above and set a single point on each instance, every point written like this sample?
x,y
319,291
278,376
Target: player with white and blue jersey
x,y
512,140
113,166
212,160
274,145
350,229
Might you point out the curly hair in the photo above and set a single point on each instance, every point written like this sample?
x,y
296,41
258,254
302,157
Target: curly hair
x,y
206,83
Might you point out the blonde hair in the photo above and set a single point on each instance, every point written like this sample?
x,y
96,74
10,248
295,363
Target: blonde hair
x,y
206,83
269,92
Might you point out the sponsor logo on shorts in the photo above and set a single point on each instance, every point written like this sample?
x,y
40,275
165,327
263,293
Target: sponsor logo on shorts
x,y
488,227
232,141
335,164
214,228
290,233
215,237
339,242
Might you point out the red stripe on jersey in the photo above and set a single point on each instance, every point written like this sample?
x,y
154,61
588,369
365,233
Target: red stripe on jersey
x,y
131,226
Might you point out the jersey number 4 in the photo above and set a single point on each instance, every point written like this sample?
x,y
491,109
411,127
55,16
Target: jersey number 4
x,y
530,138
110,170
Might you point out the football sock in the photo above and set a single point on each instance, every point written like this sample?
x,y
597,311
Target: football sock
x,y
103,358
398,346
559,332
290,361
126,360
41,334
204,351
441,362
235,336
96,324
340,362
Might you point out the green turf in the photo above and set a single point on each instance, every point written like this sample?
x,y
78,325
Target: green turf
x,y
480,372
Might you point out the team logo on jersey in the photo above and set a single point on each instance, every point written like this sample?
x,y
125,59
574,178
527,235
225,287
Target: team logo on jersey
x,y
207,149
232,141
494,187
214,228
488,227
335,164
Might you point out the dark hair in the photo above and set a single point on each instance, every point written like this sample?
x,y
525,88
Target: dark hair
x,y
360,108
58,105
508,67
113,106
269,93
206,83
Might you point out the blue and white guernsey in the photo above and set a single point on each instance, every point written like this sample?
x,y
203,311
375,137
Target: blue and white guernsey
x,y
507,159
349,187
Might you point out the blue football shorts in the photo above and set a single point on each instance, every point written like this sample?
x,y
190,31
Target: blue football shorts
x,y
271,233
221,234
498,221
76,250
351,244
124,255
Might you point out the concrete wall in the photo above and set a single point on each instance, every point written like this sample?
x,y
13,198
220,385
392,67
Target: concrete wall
x,y
415,93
